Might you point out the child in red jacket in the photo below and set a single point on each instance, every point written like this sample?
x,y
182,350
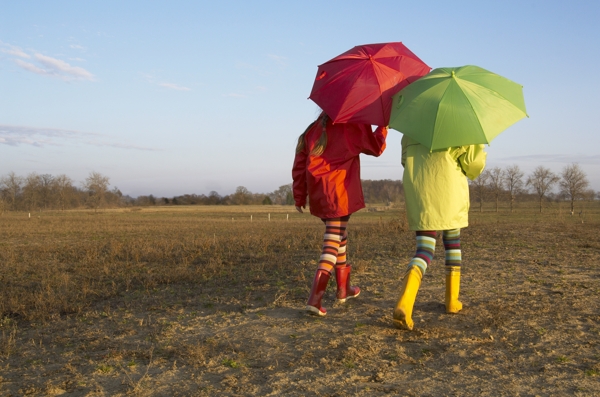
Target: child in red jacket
x,y
327,170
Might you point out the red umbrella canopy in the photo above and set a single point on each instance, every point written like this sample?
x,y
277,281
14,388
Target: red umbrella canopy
x,y
357,86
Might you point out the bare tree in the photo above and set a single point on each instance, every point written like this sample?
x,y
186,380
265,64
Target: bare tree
x,y
542,180
96,186
114,198
46,181
392,192
573,183
480,187
213,198
62,186
280,195
11,186
513,180
241,196
589,195
31,191
496,183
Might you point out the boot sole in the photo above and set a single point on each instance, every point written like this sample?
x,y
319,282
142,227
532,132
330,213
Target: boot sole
x,y
346,298
399,322
454,307
313,310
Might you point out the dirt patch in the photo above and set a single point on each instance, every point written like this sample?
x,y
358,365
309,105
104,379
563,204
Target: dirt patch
x,y
530,326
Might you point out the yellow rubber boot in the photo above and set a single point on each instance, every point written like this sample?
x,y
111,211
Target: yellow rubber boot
x,y
453,305
410,286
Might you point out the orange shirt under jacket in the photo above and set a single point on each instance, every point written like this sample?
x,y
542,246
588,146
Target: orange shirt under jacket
x,y
332,180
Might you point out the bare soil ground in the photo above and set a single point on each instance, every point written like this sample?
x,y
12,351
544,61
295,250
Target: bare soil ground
x,y
530,324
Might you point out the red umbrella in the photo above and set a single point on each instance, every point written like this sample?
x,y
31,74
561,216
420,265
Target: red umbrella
x,y
357,86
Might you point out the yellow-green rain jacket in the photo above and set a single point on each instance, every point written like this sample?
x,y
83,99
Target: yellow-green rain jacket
x,y
435,187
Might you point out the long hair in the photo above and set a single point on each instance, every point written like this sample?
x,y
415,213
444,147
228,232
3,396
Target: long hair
x,y
321,144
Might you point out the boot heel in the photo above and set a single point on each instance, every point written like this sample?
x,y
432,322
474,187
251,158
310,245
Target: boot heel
x,y
316,311
313,306
344,290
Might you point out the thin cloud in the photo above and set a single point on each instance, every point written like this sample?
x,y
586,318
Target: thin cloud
x,y
174,87
16,52
31,67
53,67
253,68
123,146
555,158
149,77
13,50
152,79
12,135
62,69
279,59
44,65
77,47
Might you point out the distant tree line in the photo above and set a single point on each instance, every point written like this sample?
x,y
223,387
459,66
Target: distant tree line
x,y
37,192
542,185
383,191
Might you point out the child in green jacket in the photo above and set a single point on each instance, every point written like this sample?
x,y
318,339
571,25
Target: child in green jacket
x,y
437,198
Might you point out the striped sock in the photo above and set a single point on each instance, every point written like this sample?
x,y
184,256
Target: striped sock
x,y
341,255
425,250
451,240
335,229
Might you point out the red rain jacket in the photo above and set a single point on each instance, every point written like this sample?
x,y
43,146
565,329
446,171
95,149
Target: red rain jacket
x,y
332,180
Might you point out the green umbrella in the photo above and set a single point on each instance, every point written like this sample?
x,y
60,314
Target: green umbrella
x,y
457,106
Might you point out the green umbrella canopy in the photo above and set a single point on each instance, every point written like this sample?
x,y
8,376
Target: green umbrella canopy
x,y
457,106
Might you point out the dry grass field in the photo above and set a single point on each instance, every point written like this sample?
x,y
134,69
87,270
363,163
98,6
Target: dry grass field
x,y
204,301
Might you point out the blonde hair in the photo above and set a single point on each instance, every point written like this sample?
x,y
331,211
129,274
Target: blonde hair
x,y
321,144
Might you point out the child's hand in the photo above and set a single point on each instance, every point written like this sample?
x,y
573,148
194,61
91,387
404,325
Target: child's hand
x,y
299,209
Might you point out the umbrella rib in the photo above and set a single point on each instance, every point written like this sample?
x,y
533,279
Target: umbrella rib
x,y
473,109
494,93
497,92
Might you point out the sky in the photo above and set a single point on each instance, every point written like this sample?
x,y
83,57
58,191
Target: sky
x,y
169,98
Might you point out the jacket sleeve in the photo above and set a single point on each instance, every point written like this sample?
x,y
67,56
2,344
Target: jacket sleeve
x,y
472,161
300,187
373,143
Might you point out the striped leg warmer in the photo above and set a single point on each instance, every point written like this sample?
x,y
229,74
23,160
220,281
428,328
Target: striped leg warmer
x,y
451,240
341,255
425,250
335,229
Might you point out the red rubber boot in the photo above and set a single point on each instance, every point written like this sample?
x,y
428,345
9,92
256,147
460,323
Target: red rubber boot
x,y
344,290
317,291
